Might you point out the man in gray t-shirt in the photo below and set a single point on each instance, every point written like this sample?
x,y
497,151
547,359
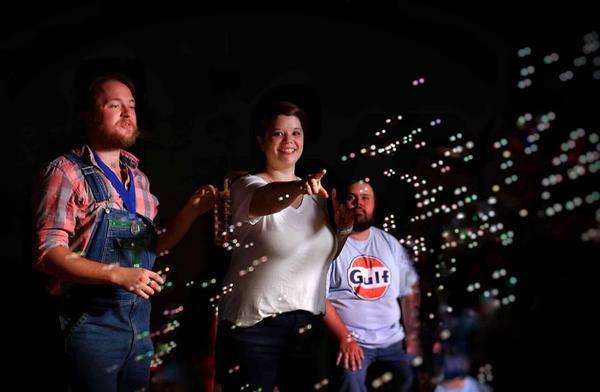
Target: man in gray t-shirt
x,y
366,283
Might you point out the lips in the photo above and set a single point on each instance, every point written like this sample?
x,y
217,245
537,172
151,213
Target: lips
x,y
289,150
126,124
359,211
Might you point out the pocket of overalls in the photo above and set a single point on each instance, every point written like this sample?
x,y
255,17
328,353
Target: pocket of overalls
x,y
133,251
71,326
133,243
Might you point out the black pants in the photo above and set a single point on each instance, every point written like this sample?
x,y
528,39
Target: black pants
x,y
287,351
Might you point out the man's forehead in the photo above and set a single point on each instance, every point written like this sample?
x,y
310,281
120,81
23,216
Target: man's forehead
x,y
114,89
361,187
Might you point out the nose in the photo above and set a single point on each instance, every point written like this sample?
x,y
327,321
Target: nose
x,y
126,111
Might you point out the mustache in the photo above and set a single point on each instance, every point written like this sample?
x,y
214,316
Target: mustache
x,y
127,122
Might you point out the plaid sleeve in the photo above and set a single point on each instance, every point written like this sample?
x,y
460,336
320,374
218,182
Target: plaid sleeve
x,y
55,212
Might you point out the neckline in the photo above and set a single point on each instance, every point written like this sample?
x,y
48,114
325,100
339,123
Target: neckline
x,y
361,242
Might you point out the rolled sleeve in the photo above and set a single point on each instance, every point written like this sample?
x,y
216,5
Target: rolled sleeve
x,y
55,213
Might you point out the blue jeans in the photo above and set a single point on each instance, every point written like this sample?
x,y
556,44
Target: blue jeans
x,y
271,353
109,348
106,328
393,356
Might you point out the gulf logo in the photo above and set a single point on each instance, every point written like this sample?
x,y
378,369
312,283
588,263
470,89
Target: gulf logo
x,y
368,277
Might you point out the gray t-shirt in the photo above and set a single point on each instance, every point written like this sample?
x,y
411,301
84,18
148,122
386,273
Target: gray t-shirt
x,y
282,259
364,283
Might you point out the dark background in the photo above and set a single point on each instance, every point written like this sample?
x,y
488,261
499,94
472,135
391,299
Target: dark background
x,y
200,71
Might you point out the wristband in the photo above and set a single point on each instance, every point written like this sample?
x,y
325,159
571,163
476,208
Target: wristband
x,y
346,231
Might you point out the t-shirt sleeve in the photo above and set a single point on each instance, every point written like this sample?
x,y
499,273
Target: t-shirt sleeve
x,y
242,191
408,275
330,281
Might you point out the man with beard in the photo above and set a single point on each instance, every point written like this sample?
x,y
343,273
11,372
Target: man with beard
x,y
365,282
96,238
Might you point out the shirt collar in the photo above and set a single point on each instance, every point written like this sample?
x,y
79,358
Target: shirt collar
x,y
127,158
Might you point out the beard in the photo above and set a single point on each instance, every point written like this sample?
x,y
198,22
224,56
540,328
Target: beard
x,y
118,140
363,223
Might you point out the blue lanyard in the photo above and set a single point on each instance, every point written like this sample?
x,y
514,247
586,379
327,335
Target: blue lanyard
x,y
127,195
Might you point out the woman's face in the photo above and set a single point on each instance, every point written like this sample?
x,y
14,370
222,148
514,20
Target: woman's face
x,y
283,142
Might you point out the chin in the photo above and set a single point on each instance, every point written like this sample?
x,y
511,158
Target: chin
x,y
288,161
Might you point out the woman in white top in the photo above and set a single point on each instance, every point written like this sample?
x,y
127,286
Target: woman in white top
x,y
274,290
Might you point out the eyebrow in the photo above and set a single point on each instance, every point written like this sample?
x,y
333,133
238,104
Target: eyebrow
x,y
282,129
118,99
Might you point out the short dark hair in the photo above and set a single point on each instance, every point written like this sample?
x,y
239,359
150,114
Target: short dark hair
x,y
344,185
271,110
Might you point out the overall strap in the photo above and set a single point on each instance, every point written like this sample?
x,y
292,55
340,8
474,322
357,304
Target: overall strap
x,y
92,177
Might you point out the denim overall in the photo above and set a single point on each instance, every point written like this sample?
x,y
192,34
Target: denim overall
x,y
106,328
